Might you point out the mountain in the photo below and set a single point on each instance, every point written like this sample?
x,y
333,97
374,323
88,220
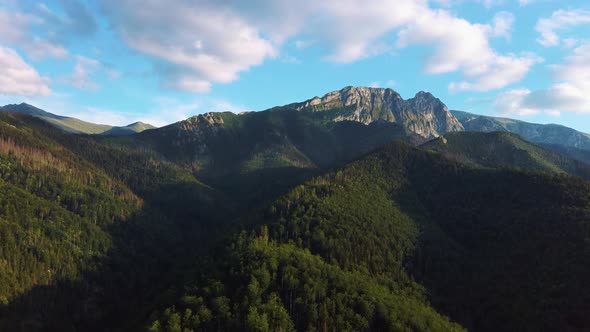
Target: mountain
x,y
54,208
291,142
503,149
495,250
294,218
560,138
88,228
259,154
134,128
73,125
424,114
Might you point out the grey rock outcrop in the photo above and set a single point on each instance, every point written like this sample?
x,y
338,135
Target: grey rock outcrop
x,y
424,114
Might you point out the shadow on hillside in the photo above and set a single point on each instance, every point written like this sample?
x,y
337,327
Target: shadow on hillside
x,y
152,255
510,256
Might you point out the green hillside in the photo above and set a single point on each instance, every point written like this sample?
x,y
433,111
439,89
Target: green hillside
x,y
504,149
73,125
496,250
260,154
54,209
85,226
225,222
555,137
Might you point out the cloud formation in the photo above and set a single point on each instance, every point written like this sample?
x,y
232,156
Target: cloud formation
x,y
559,20
462,46
569,93
194,44
42,33
17,77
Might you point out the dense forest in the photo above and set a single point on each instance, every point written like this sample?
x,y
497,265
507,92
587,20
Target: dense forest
x,y
116,233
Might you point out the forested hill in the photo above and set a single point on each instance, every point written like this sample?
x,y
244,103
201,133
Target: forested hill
x,y
288,220
87,229
495,250
505,149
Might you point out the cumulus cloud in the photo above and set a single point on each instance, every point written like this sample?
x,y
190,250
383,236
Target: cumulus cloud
x,y
194,44
462,46
569,93
19,78
559,20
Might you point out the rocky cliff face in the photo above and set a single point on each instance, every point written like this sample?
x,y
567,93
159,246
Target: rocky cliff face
x,y
424,114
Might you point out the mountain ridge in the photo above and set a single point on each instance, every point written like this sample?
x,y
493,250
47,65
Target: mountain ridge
x,y
74,125
501,149
549,134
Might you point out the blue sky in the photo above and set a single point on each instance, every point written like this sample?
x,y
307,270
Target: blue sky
x,y
119,61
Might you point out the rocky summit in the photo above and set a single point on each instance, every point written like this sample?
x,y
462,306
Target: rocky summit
x,y
424,114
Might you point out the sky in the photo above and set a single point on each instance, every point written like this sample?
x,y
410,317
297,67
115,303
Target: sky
x,y
120,61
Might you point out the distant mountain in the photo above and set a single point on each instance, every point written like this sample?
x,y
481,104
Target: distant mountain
x,y
503,149
300,137
255,154
134,128
557,137
73,125
291,219
424,114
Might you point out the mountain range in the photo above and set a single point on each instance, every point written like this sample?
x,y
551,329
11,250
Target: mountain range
x,y
73,125
355,211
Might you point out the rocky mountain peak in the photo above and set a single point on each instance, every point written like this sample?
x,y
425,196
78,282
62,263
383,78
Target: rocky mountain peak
x,y
424,114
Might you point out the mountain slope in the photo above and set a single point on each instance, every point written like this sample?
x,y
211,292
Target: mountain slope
x,y
88,228
73,125
133,128
537,245
54,208
213,223
496,250
283,145
548,135
504,149
259,154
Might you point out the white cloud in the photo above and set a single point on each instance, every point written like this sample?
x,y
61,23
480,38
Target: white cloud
x,y
19,78
513,103
40,32
194,44
85,73
80,77
38,49
502,25
462,46
559,20
13,25
569,93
